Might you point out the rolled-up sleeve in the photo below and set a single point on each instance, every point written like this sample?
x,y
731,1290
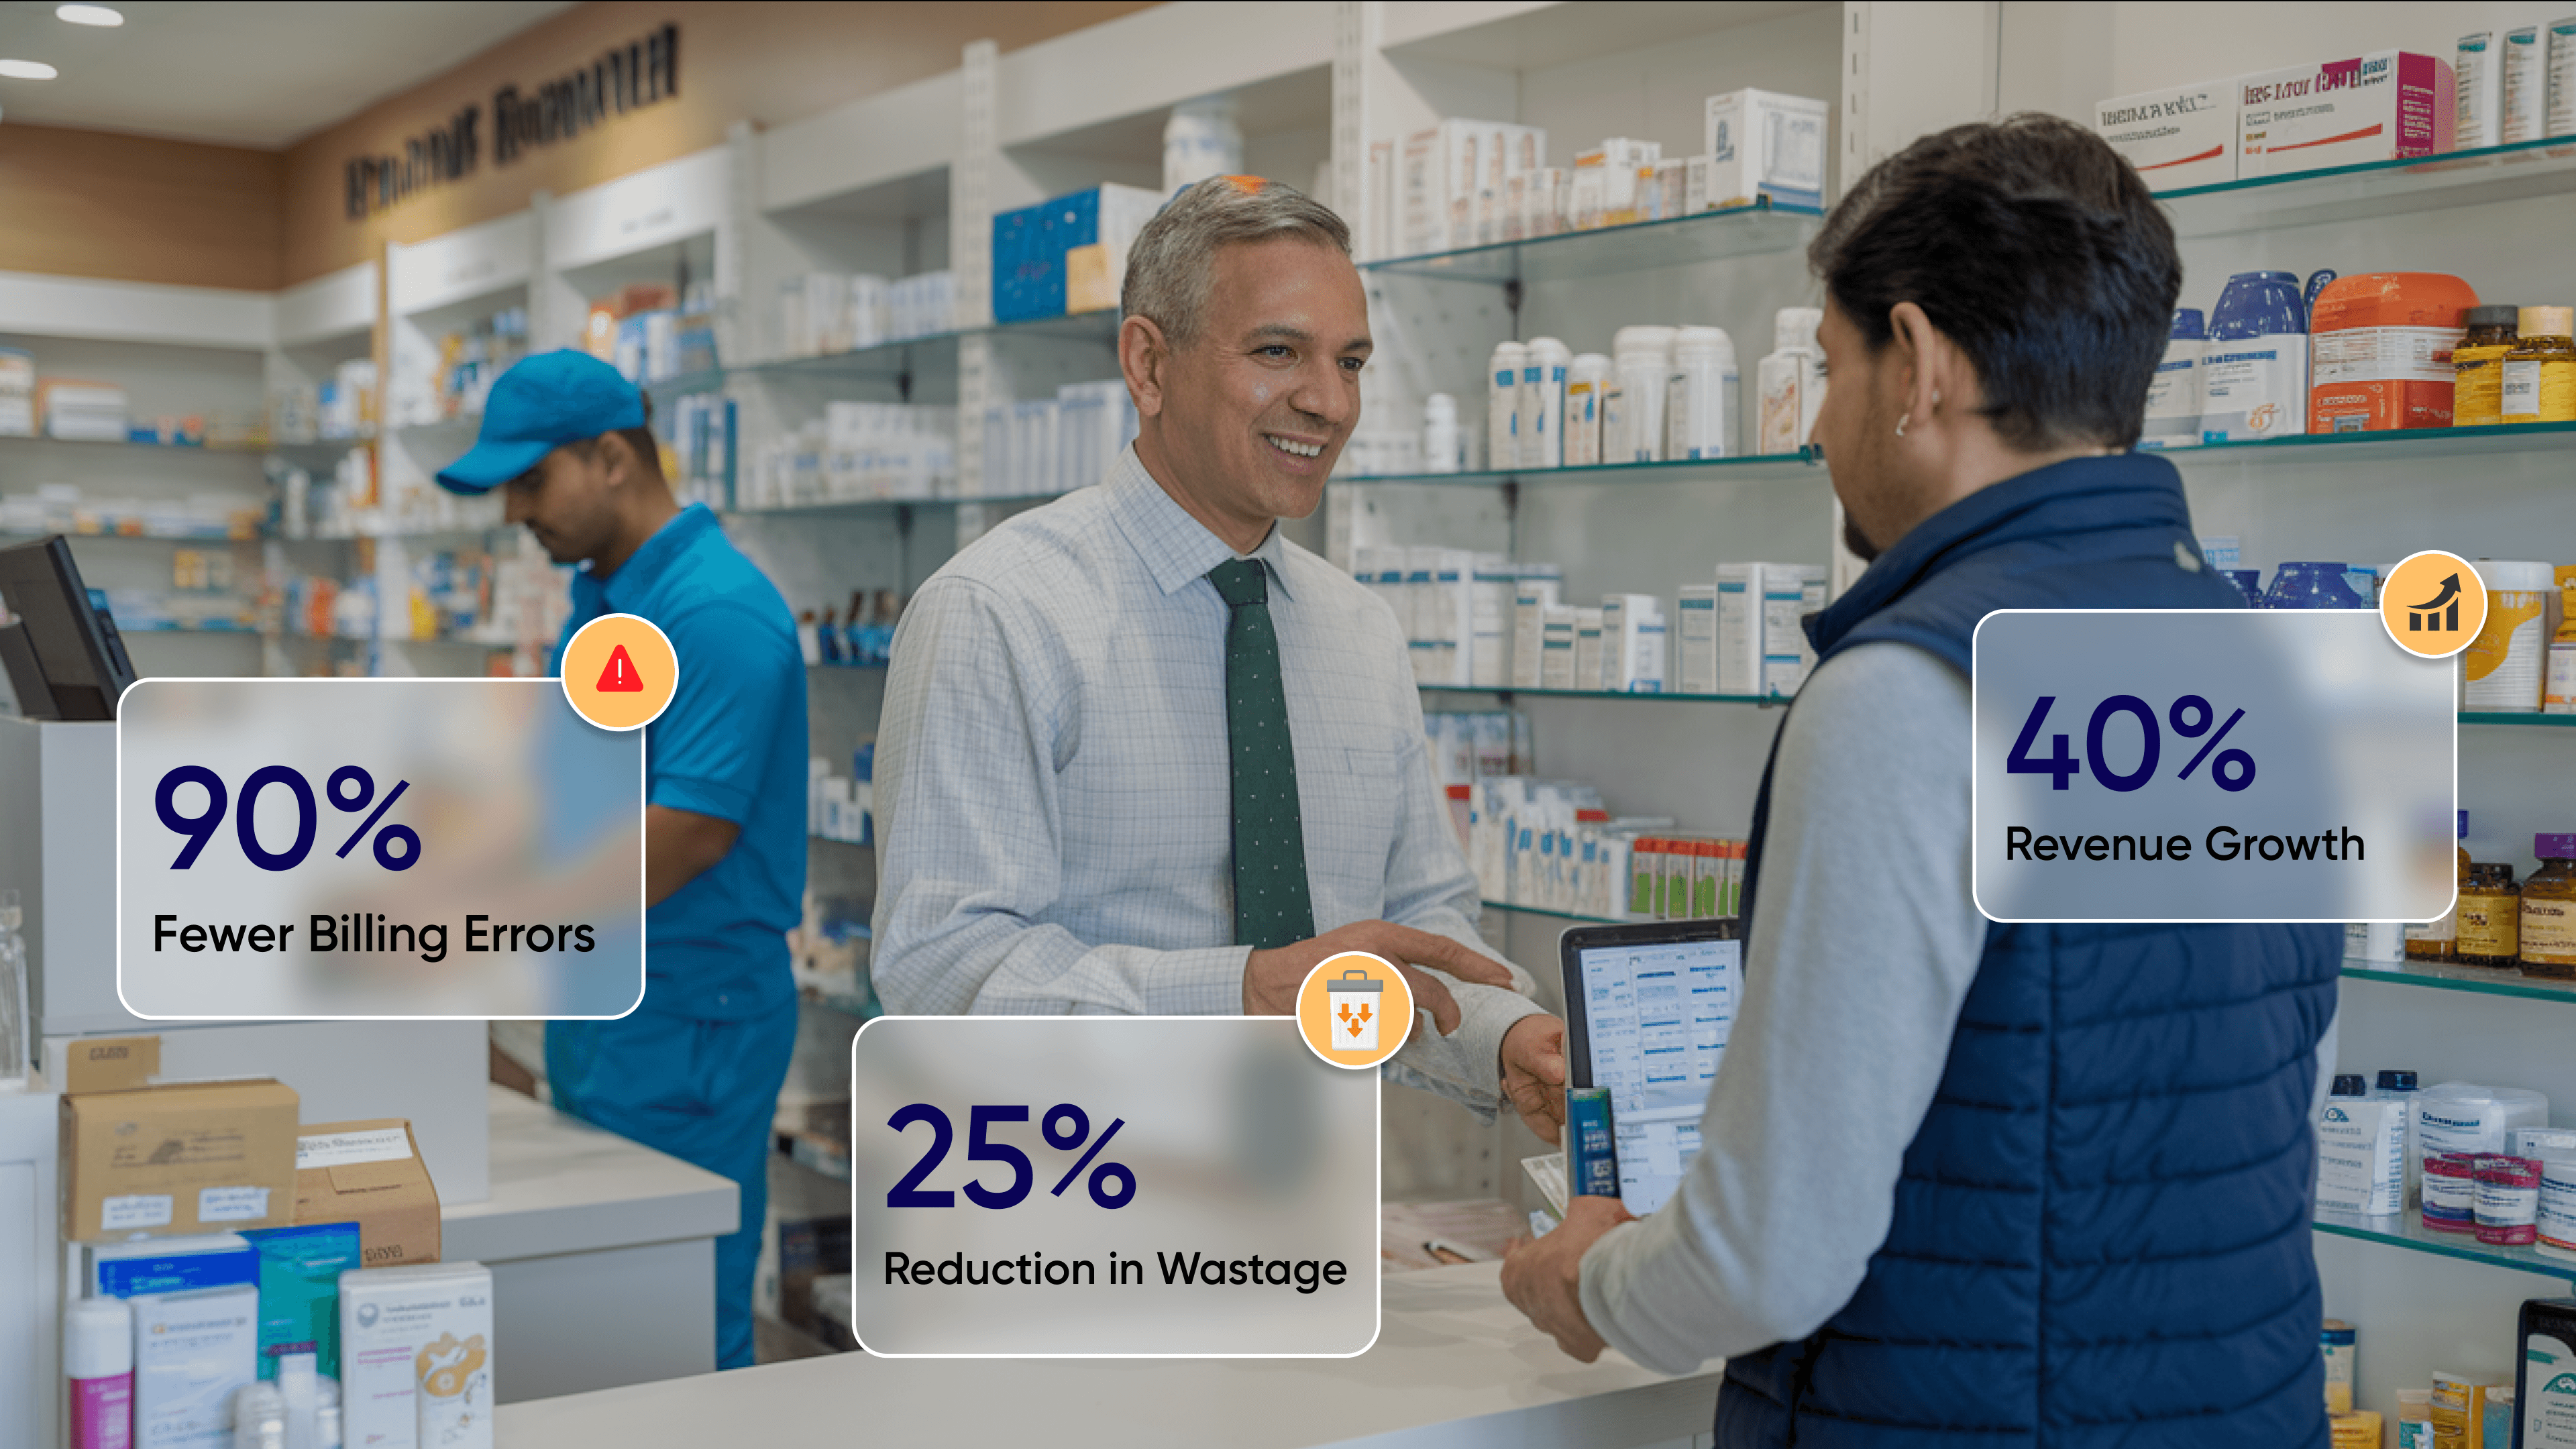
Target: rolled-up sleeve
x,y
970,836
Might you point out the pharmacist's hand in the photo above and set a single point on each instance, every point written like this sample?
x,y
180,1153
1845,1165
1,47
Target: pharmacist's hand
x,y
1271,978
1544,1277
1533,1066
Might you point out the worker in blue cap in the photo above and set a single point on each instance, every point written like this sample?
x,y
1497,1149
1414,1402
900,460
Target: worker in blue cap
x,y
696,1069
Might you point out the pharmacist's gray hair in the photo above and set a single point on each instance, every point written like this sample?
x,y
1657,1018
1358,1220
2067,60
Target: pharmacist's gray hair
x,y
1171,267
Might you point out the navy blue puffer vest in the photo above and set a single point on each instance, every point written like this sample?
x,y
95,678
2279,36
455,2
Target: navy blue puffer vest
x,y
2101,1234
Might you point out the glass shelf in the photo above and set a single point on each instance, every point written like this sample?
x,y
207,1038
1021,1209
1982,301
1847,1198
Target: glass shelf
x,y
1804,464
1758,699
2407,1230
2373,190
2543,721
162,536
2414,444
1554,915
2450,976
887,361
230,448
1759,229
862,507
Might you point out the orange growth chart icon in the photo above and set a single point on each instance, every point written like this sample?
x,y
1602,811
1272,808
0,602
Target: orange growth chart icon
x,y
619,672
1355,1010
2433,604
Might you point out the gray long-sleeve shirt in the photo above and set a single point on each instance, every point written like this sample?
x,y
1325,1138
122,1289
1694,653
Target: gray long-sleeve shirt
x,y
1866,939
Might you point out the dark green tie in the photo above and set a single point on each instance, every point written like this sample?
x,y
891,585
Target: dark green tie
x,y
1271,904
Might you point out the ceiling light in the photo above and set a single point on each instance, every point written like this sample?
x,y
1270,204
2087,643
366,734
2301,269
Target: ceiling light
x,y
88,15
25,70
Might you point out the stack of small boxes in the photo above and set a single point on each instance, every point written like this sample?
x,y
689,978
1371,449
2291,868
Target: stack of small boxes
x,y
1067,254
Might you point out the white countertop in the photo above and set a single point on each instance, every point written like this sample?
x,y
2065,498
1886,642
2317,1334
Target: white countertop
x,y
560,1185
1454,1364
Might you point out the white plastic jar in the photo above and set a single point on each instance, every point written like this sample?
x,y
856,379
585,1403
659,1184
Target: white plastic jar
x,y
1502,406
1632,426
1587,381
1540,415
1440,441
1199,141
1701,394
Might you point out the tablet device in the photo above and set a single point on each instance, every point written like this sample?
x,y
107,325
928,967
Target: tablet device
x,y
1648,1008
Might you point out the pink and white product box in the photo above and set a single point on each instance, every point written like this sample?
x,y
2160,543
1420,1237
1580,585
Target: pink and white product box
x,y
2184,136
2382,106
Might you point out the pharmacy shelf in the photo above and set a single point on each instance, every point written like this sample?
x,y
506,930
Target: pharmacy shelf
x,y
867,507
887,361
19,535
1554,915
1804,465
2407,1231
2408,444
2374,190
2452,976
1760,229
2543,721
1765,700
27,440
173,626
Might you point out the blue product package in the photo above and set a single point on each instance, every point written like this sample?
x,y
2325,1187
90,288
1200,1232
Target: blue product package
x,y
299,1272
1592,1153
173,1265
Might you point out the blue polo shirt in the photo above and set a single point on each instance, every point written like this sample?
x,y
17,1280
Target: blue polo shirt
x,y
732,745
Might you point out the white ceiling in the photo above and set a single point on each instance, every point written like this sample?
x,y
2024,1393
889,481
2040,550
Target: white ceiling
x,y
242,74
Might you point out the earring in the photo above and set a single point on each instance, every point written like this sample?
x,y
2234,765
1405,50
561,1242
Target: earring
x,y
1901,422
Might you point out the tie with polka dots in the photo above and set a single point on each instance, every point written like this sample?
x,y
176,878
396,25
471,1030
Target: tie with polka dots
x,y
1271,904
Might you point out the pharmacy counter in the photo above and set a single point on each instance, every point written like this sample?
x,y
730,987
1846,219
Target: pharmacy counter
x,y
602,1254
1454,1364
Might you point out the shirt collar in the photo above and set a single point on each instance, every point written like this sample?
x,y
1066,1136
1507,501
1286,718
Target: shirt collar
x,y
645,567
1177,549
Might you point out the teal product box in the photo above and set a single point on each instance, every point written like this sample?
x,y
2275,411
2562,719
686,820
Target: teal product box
x,y
1592,1153
299,1292
170,1265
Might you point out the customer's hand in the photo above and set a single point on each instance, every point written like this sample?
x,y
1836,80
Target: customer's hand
x,y
1271,978
1543,1277
1533,1067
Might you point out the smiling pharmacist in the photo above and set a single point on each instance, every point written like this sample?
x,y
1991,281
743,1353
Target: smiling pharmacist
x,y
1968,1183
1141,754
695,1070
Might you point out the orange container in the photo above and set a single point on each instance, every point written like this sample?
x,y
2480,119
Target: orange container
x,y
2380,351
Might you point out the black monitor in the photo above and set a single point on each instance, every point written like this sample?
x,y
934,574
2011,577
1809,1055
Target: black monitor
x,y
63,631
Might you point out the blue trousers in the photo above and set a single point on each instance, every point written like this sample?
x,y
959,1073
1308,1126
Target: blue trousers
x,y
704,1092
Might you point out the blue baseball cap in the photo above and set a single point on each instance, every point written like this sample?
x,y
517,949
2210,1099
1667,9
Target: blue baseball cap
x,y
540,404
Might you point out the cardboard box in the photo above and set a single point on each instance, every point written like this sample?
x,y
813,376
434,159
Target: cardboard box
x,y
369,1173
1763,143
2183,136
188,1157
2376,107
111,1063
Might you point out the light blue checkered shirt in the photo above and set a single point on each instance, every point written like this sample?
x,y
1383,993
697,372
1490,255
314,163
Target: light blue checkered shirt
x,y
1053,807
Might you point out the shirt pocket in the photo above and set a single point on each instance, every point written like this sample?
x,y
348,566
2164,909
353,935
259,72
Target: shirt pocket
x,y
1350,826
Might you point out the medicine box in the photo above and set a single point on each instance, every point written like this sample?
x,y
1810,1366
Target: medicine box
x,y
167,1265
2376,107
2182,136
1698,634
369,1173
1765,144
299,1292
390,1319
180,1158
192,1353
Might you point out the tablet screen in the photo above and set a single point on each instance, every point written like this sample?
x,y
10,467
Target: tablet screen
x,y
1658,1015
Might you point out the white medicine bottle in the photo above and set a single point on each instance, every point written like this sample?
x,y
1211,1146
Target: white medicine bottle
x,y
1443,450
1632,423
1792,380
1701,396
1502,406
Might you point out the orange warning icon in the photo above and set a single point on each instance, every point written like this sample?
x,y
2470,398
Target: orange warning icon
x,y
619,672
620,676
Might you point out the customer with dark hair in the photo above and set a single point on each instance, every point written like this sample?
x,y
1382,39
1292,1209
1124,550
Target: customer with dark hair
x,y
1965,1182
